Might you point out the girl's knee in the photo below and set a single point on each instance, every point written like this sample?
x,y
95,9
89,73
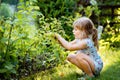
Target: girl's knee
x,y
70,57
80,54
80,57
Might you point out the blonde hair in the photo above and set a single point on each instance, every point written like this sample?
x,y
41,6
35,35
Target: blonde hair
x,y
87,27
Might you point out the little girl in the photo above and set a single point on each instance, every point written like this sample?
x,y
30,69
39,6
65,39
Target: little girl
x,y
86,45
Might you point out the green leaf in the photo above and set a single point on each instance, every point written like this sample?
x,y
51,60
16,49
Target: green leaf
x,y
3,70
9,66
1,29
13,71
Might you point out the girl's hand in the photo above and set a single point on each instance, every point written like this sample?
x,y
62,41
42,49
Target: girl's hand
x,y
57,35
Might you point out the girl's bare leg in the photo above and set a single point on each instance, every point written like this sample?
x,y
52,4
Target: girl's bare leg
x,y
87,59
72,58
83,62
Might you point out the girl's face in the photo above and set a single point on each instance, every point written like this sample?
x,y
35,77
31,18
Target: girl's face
x,y
76,32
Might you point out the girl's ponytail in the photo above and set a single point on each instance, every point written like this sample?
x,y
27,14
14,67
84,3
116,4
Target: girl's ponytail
x,y
95,37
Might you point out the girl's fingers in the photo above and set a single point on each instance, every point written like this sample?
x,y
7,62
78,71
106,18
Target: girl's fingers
x,y
55,35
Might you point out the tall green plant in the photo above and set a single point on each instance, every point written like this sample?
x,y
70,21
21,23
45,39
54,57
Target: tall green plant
x,y
25,47
56,8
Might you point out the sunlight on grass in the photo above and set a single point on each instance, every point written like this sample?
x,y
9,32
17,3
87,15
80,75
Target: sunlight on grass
x,y
111,59
63,72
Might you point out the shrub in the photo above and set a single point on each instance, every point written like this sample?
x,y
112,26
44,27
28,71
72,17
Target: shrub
x,y
5,11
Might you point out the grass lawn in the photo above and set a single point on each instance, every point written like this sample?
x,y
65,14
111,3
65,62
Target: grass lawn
x,y
111,69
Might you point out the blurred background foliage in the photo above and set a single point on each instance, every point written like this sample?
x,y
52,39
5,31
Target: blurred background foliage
x,y
108,2
5,11
27,28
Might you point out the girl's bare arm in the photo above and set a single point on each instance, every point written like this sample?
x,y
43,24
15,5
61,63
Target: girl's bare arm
x,y
71,45
73,42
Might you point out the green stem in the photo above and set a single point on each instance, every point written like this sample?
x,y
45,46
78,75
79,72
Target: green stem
x,y
8,46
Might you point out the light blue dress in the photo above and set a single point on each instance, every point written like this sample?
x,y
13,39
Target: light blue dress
x,y
91,51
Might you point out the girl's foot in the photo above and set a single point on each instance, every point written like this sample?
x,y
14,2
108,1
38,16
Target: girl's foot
x,y
89,78
97,75
86,77
81,78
